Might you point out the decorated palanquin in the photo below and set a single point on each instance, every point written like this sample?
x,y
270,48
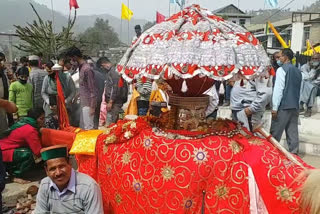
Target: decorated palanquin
x,y
142,169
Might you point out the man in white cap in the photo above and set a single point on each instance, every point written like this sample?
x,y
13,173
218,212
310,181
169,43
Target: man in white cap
x,y
36,78
66,190
49,86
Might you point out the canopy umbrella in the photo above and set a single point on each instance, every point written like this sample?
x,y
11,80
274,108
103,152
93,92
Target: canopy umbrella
x,y
194,46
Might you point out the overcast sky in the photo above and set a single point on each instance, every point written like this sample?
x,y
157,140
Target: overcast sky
x,y
145,9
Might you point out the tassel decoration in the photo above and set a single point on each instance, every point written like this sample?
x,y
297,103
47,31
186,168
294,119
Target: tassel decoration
x,y
170,73
120,83
144,79
184,87
166,74
242,83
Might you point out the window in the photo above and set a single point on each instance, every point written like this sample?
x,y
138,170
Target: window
x,y
306,35
275,43
242,21
234,21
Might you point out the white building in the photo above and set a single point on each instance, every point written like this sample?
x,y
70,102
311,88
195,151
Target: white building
x,y
296,30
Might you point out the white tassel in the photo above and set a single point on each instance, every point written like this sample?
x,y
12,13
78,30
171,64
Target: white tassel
x,y
184,87
170,74
221,89
154,86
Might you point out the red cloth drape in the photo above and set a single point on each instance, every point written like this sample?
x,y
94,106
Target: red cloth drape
x,y
61,105
150,173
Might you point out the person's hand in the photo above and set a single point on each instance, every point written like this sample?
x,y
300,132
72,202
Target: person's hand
x,y
53,108
75,99
248,112
92,111
274,115
109,105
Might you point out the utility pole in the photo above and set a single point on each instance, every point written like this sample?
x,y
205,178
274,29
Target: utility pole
x,y
10,49
129,28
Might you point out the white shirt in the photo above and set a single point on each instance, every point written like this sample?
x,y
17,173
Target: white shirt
x,y
278,89
213,100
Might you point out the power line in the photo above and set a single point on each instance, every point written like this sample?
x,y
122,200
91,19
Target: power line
x,y
275,13
279,10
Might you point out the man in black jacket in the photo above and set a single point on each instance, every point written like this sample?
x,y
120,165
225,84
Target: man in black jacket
x,y
115,96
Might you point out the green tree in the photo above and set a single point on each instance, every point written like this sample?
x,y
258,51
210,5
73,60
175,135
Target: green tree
x,y
99,37
39,37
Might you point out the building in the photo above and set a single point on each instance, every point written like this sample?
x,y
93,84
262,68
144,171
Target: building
x,y
234,14
296,30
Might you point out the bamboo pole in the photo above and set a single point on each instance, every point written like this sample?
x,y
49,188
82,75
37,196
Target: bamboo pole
x,y
272,140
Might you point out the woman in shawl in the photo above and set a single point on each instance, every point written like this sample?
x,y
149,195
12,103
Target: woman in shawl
x,y
50,92
21,143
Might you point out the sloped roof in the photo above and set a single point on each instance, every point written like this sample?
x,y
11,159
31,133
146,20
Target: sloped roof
x,y
280,23
221,10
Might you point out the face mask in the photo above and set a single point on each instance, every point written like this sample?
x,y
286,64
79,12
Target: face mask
x,y
105,69
279,63
22,81
315,64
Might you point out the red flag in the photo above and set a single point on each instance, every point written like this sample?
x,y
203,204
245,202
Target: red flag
x,y
160,18
73,3
61,105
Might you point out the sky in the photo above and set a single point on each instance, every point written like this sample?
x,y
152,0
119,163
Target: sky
x,y
145,9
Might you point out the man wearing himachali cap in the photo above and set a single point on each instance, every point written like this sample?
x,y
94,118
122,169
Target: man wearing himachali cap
x,y
65,190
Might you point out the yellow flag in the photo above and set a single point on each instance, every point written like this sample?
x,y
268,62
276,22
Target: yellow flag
x,y
126,13
308,45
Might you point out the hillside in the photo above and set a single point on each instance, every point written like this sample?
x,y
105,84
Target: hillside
x,y
19,12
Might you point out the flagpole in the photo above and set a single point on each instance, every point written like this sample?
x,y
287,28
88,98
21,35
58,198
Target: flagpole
x,y
128,27
52,14
169,9
121,25
53,26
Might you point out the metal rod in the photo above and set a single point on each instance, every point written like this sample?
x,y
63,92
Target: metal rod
x,y
128,27
121,25
169,8
272,140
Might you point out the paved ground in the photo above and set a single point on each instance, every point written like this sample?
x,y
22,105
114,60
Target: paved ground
x,y
14,191
312,160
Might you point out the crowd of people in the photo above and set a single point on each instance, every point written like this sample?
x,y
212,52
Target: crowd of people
x,y
285,93
94,94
